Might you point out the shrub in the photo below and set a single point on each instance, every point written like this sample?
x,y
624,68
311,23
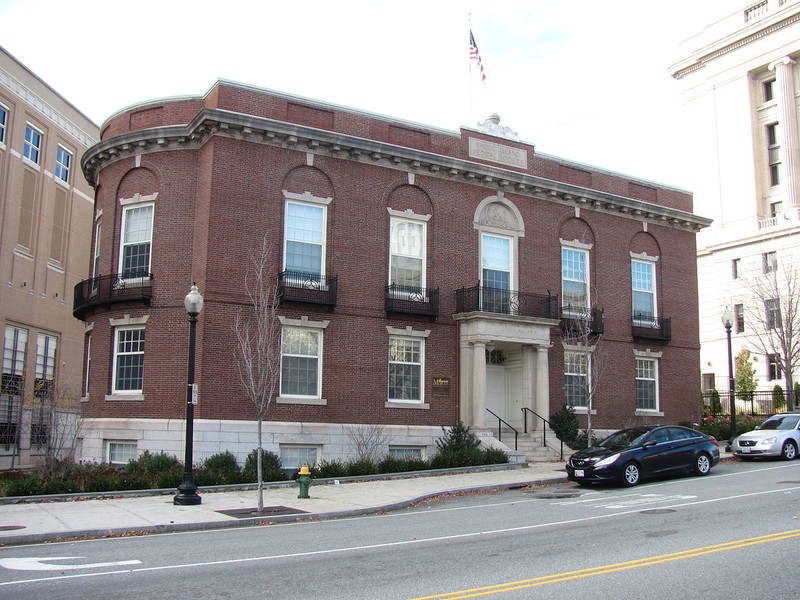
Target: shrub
x,y
464,457
720,427
565,424
494,456
581,441
363,466
152,464
332,468
778,398
391,464
457,438
219,469
271,468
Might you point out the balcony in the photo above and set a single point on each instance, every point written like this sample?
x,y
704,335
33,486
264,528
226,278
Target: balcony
x,y
506,302
307,288
576,321
650,328
109,289
412,300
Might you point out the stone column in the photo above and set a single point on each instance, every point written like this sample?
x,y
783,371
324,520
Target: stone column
x,y
528,384
479,385
542,383
788,130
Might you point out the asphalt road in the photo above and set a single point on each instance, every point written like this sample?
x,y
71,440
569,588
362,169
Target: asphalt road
x,y
732,534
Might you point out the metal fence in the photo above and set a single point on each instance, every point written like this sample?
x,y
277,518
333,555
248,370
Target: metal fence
x,y
760,403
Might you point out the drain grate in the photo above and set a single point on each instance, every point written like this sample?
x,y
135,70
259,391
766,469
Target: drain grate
x,y
269,511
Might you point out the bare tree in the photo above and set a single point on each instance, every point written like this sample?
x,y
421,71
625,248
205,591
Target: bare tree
x,y
581,336
773,315
258,336
369,441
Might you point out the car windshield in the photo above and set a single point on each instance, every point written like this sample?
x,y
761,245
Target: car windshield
x,y
624,438
787,422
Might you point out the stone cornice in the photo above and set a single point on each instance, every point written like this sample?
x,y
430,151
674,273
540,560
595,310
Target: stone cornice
x,y
213,122
702,57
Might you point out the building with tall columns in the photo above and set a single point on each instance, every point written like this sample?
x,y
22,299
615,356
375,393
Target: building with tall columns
x,y
739,83
46,209
425,276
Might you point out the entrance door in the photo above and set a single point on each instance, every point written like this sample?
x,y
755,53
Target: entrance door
x,y
504,395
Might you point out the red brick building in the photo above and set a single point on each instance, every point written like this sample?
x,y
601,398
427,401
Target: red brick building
x,y
426,276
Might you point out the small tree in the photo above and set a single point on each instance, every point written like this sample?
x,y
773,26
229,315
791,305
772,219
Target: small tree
x,y
369,441
258,334
565,424
778,397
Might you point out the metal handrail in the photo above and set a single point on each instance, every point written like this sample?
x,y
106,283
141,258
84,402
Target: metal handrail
x,y
500,429
525,411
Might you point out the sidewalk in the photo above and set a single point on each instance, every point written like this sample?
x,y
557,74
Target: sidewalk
x,y
36,522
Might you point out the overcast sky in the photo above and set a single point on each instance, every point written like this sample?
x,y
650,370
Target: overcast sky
x,y
582,79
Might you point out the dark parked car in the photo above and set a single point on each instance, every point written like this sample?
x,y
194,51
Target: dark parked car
x,y
630,455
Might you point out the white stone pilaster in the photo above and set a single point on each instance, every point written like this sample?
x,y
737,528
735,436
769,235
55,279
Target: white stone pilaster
x,y
788,130
479,384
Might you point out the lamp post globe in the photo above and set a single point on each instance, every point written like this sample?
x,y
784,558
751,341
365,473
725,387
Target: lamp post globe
x,y
727,322
187,490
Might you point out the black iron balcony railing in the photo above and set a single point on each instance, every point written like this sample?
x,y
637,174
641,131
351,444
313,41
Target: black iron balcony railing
x,y
412,300
310,288
506,302
576,320
108,289
648,327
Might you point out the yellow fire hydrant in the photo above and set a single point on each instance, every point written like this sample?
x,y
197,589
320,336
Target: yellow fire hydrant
x,y
304,479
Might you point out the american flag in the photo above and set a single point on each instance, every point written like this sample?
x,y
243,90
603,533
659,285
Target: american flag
x,y
474,55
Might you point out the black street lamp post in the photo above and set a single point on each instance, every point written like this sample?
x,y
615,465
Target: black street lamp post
x,y
187,490
727,321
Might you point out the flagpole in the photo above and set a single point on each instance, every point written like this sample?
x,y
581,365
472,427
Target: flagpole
x,y
471,101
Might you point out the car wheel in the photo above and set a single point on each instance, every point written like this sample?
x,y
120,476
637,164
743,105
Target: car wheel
x,y
702,464
789,451
631,474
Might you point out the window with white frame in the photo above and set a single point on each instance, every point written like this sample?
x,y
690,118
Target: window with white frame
x,y
304,240
128,360
87,365
772,316
769,262
575,279
647,384
136,238
406,360
294,457
301,362
768,90
3,123
774,367
15,345
120,452
63,162
736,268
738,318
44,384
32,145
496,274
407,452
643,282
98,233
407,254
773,154
576,378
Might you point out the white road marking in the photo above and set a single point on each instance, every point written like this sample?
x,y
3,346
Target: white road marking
x,y
36,563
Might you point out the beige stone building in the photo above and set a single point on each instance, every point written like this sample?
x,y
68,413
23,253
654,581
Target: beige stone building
x,y
46,216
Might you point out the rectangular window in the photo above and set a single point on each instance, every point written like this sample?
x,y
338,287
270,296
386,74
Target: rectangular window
x,y
407,254
736,268
773,155
775,208
768,90
643,278
304,236
495,273
576,378
121,453
87,365
709,382
772,316
646,384
406,357
294,457
301,352
769,262
3,123
33,144
98,233
137,237
738,318
14,348
406,452
774,367
575,279
44,384
128,360
63,162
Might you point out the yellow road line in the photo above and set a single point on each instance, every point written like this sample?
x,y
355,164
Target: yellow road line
x,y
612,568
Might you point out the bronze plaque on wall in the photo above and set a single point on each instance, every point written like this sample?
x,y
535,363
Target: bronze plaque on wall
x,y
441,387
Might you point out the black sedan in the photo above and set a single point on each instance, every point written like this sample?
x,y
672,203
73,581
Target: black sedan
x,y
630,455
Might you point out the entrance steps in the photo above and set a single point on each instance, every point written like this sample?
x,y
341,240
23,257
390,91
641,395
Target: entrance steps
x,y
530,446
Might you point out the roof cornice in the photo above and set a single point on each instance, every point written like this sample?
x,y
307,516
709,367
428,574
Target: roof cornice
x,y
214,122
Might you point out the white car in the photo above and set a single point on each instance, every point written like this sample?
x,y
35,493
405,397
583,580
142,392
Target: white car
x,y
777,436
